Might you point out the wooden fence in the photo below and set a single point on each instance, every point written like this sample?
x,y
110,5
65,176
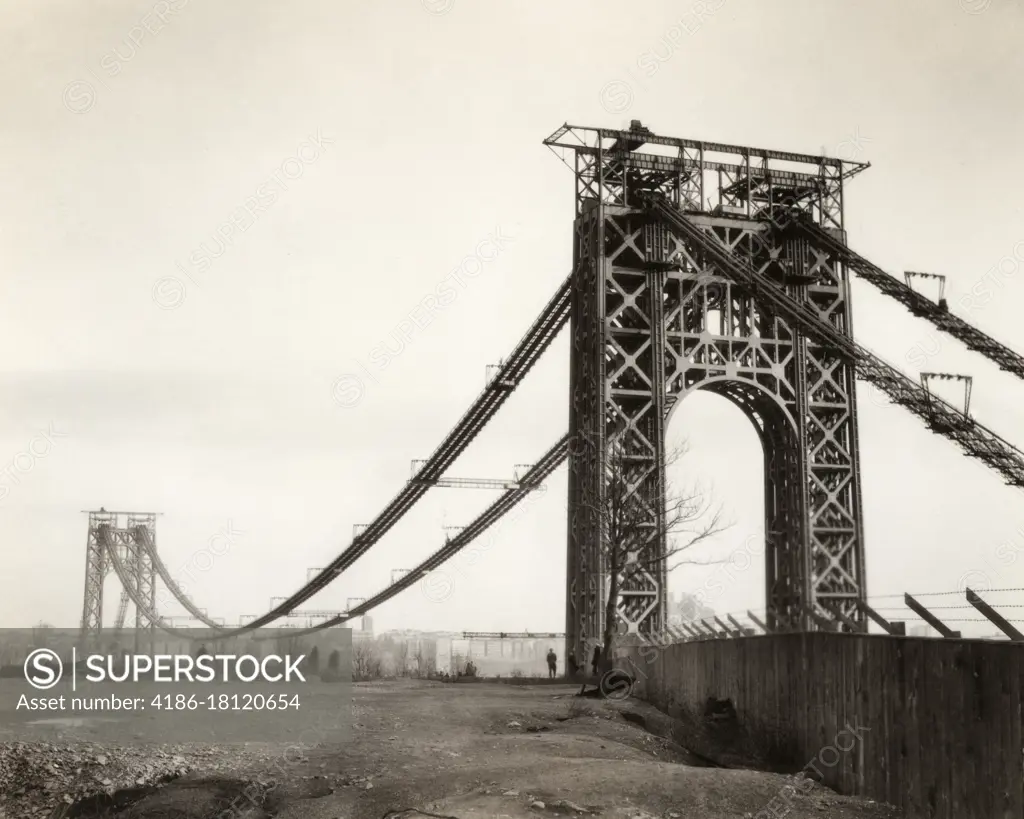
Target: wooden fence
x,y
930,726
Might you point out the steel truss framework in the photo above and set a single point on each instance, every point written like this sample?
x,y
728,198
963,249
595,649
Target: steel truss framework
x,y
125,541
744,298
654,319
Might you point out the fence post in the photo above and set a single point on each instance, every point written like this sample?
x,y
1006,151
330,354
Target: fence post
x,y
824,622
692,632
742,632
895,629
758,623
997,619
930,618
846,621
677,633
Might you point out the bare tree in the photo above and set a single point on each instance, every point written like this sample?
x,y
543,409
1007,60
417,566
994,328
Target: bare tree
x,y
402,659
624,517
425,665
367,664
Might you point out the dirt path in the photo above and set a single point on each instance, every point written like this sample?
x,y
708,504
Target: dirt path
x,y
490,750
495,750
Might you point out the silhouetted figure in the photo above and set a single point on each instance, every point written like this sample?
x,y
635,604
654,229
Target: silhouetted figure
x,y
571,665
596,662
552,663
202,651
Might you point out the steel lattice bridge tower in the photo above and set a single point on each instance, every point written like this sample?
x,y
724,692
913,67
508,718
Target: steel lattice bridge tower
x,y
124,543
656,317
696,266
120,542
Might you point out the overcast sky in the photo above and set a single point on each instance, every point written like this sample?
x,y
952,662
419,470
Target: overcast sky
x,y
376,146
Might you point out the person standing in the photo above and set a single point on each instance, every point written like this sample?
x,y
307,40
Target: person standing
x,y
596,662
552,663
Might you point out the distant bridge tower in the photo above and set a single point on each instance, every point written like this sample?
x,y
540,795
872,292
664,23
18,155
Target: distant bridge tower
x,y
118,531
653,319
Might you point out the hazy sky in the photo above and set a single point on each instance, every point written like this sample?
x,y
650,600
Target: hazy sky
x,y
376,146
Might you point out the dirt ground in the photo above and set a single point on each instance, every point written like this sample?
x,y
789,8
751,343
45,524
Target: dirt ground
x,y
484,750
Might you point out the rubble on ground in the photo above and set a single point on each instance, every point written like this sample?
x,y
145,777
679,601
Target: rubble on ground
x,y
36,777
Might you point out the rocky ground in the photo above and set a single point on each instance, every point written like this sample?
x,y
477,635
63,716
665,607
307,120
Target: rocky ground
x,y
420,749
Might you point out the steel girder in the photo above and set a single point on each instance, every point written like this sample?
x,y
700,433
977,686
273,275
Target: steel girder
x,y
122,611
145,537
96,568
141,532
697,175
584,575
919,305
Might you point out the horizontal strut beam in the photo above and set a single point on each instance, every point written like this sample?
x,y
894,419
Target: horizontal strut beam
x,y
625,137
471,483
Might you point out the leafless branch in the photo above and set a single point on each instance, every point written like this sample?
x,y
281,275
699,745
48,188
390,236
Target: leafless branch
x,y
626,514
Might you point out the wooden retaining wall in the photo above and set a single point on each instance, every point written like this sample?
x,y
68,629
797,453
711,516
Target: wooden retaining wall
x,y
942,717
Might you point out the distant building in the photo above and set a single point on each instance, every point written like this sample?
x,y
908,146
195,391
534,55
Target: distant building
x,y
684,607
367,625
